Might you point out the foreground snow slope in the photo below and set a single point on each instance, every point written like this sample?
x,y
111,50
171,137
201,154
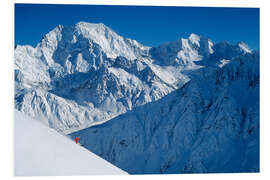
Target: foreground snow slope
x,y
41,151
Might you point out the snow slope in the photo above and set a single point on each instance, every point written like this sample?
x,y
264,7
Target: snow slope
x,y
41,151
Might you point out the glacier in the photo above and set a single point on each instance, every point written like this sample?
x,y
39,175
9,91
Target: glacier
x,y
188,106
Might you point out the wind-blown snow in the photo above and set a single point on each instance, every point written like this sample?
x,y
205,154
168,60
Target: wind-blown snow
x,y
41,151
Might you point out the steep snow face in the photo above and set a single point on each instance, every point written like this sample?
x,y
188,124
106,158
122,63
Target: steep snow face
x,y
30,71
211,124
41,151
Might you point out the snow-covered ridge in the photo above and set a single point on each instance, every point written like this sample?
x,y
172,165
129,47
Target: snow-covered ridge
x,y
183,52
41,151
86,74
210,125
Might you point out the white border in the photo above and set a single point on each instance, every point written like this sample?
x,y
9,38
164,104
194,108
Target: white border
x,y
6,94
208,3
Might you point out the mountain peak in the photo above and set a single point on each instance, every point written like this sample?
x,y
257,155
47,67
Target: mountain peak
x,y
83,24
94,30
194,38
111,43
97,34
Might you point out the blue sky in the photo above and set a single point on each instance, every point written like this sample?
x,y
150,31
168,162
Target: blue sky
x,y
150,25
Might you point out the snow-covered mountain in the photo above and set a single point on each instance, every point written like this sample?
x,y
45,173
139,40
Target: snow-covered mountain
x,y
210,125
87,74
41,151
191,105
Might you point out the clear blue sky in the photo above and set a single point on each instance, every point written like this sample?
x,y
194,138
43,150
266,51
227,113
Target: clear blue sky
x,y
149,25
